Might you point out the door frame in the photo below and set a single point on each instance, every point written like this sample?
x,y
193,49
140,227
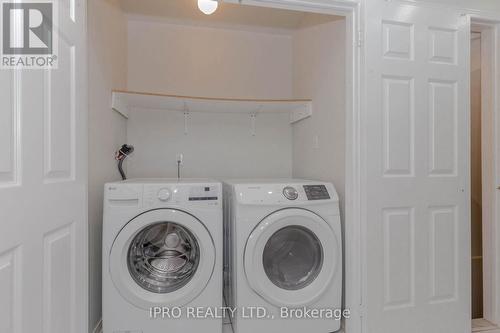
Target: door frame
x,y
353,239
490,29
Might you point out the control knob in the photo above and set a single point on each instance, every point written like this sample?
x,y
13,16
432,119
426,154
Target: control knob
x,y
290,193
164,194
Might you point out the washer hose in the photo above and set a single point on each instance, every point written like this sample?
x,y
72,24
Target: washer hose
x,y
121,155
120,168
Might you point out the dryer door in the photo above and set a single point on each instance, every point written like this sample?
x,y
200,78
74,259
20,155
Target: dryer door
x,y
291,257
164,257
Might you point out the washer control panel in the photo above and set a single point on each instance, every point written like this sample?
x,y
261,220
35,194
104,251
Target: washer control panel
x,y
160,195
204,193
316,192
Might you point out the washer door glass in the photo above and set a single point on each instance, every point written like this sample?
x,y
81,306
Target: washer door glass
x,y
292,257
163,257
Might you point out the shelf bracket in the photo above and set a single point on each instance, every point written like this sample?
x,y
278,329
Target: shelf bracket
x,y
119,105
303,112
186,116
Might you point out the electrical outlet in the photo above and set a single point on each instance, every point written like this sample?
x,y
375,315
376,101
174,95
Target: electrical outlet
x,y
316,142
180,159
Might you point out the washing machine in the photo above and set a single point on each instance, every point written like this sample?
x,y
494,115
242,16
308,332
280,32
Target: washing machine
x,y
162,256
283,256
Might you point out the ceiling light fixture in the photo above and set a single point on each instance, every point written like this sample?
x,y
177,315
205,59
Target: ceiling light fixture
x,y
208,6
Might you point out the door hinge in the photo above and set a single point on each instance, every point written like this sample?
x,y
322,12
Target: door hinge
x,y
361,311
360,38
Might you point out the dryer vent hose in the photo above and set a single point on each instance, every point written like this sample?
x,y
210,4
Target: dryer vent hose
x,y
121,155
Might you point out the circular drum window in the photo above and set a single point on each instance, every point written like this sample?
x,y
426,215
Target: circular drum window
x,y
163,257
292,257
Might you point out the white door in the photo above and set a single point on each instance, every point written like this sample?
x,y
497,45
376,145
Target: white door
x,y
43,200
417,255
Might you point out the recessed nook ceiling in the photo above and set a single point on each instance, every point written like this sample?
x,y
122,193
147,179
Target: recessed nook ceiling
x,y
227,13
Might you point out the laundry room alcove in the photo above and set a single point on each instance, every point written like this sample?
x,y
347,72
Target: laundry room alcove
x,y
248,92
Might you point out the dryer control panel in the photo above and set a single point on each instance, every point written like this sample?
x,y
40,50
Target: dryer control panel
x,y
316,192
291,193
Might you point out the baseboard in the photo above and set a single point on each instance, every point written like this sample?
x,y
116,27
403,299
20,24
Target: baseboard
x,y
98,327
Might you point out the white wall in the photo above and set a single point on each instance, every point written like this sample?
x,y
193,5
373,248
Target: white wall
x,y
207,61
212,61
216,145
319,73
216,62
107,130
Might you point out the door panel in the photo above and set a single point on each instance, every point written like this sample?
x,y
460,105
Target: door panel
x,y
9,119
443,254
10,303
417,233
399,263
398,107
443,127
43,191
59,278
59,114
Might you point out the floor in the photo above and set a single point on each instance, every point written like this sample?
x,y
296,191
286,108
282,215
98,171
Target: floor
x,y
478,325
227,328
482,325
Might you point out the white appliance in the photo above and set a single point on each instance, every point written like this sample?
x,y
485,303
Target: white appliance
x,y
162,249
283,252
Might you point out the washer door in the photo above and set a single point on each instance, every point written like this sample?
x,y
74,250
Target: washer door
x,y
291,257
162,257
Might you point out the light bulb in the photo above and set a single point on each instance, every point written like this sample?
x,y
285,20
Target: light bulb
x,y
207,6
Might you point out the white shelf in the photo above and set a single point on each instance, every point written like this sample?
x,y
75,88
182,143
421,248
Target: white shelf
x,y
123,101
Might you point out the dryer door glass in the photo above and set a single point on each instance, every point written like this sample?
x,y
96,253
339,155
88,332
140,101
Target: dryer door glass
x,y
163,257
292,257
